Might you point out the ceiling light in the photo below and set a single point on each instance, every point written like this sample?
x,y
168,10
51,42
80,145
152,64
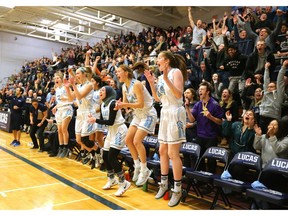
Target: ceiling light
x,y
45,21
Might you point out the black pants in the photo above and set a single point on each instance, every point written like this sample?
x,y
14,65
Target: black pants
x,y
206,143
16,121
40,134
111,160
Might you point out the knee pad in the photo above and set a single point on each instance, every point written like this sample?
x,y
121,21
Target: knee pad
x,y
87,142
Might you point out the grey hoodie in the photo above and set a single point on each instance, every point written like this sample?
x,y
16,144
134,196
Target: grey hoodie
x,y
272,101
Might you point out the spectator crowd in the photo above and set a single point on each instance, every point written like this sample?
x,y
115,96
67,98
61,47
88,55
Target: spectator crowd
x,y
236,89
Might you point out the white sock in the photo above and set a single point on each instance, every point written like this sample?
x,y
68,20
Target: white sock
x,y
137,163
143,166
164,180
177,186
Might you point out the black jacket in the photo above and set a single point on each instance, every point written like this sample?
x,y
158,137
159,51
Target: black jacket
x,y
252,63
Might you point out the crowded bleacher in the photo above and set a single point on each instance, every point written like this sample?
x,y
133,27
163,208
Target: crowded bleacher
x,y
242,56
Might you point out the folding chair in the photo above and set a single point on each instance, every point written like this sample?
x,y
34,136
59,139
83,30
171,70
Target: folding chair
x,y
243,169
273,187
151,145
153,161
192,150
201,174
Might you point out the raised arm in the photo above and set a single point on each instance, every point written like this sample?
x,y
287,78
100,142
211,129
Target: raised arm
x,y
191,21
188,112
250,33
70,94
266,76
79,95
94,67
151,79
281,82
214,26
87,58
277,28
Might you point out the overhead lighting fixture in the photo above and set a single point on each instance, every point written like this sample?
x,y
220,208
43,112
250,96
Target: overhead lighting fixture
x,y
61,26
45,21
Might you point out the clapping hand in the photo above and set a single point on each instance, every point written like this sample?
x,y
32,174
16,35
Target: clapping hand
x,y
257,130
271,131
118,104
66,82
228,116
149,76
72,80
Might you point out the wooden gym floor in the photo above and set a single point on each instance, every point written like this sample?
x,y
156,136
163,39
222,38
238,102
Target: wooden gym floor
x,y
34,181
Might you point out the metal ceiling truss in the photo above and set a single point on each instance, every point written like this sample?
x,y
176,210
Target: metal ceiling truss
x,y
63,24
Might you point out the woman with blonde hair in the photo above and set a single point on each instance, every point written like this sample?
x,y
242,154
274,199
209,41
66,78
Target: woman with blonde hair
x,y
137,97
83,93
227,103
63,112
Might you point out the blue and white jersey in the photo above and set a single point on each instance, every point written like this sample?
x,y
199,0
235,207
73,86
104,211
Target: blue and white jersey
x,y
165,94
131,97
86,103
61,97
105,111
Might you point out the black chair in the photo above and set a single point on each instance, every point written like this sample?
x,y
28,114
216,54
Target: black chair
x,y
201,176
243,169
189,149
151,145
274,194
